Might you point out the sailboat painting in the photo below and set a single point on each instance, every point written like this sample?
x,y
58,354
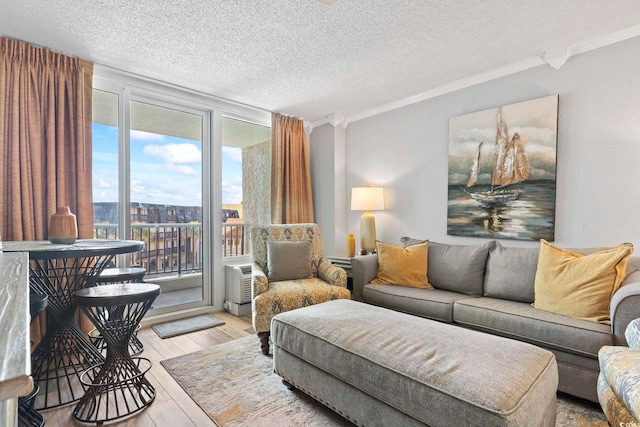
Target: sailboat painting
x,y
502,171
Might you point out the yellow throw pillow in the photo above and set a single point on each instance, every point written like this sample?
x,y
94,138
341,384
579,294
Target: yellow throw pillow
x,y
403,266
579,286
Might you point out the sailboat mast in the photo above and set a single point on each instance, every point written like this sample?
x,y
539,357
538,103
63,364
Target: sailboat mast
x,y
475,168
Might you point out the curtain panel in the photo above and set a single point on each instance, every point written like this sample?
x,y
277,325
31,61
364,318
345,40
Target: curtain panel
x,y
291,196
45,134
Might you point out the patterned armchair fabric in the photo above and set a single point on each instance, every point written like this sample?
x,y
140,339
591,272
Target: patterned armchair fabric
x,y
268,299
619,379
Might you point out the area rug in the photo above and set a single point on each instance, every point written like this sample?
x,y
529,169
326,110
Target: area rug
x,y
184,326
235,385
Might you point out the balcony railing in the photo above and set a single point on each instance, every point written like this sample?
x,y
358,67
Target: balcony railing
x,y
174,249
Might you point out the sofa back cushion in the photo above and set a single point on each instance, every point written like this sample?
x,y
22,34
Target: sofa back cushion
x,y
456,268
511,273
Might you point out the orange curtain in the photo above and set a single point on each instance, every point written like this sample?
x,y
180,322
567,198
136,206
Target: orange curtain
x,y
45,132
291,197
45,135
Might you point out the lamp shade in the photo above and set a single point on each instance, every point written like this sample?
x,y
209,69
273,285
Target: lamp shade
x,y
367,199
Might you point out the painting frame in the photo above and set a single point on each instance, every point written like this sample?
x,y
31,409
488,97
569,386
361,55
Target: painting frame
x,y
502,165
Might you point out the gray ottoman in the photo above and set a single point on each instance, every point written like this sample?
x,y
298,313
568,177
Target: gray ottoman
x,y
378,367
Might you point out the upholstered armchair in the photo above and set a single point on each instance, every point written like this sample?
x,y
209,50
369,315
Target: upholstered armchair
x,y
289,271
619,379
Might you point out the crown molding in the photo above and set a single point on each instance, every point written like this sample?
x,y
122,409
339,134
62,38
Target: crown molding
x,y
555,58
333,119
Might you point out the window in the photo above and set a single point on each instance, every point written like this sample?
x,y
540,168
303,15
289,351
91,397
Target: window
x,y
176,170
246,188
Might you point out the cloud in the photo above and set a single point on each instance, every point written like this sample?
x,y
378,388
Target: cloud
x,y
234,153
232,191
174,153
145,136
104,184
183,169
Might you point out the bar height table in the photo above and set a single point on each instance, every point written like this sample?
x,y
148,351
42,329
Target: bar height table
x,y
64,352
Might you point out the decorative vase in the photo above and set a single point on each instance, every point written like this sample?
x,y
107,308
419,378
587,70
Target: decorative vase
x,y
351,245
63,228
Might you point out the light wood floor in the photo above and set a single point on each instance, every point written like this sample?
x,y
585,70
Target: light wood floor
x,y
172,405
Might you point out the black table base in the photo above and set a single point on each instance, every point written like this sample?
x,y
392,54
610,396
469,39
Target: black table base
x,y
64,352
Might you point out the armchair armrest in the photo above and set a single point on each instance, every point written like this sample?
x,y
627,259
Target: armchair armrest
x,y
625,307
364,269
331,274
259,281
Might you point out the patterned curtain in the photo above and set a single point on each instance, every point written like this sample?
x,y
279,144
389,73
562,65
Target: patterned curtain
x,y
45,134
291,197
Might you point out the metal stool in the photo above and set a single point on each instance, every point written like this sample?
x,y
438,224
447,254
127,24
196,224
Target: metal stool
x,y
119,275
27,416
118,387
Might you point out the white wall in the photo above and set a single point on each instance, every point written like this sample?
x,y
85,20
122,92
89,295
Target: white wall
x,y
598,159
327,155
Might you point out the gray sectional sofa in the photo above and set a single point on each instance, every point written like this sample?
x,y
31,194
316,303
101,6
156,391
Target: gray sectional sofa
x,y
490,288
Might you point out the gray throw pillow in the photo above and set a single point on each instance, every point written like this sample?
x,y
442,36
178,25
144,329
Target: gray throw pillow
x,y
288,260
511,273
408,241
458,268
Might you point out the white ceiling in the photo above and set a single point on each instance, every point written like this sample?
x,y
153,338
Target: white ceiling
x,y
310,59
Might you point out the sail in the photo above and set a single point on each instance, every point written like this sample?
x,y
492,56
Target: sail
x,y
511,165
475,168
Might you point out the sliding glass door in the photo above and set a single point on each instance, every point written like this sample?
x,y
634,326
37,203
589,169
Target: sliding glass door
x,y
186,173
148,175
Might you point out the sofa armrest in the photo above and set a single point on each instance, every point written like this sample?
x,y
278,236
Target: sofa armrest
x,y
259,281
625,307
364,268
331,274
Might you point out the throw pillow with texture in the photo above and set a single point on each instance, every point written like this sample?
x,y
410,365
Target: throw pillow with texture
x,y
288,260
403,266
579,286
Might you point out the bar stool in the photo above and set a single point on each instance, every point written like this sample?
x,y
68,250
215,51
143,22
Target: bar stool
x,y
119,275
116,388
27,416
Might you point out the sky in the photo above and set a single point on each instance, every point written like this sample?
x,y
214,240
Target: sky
x,y
164,169
534,120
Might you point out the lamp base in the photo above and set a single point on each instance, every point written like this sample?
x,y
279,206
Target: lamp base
x,y
367,233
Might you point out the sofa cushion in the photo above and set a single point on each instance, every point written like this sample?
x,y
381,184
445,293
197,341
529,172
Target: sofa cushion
x,y
579,286
523,322
511,273
288,260
402,266
430,303
458,268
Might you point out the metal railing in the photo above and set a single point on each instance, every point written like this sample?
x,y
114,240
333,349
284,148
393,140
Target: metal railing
x,y
174,249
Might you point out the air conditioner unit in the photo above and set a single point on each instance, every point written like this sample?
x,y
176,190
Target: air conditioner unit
x,y
237,289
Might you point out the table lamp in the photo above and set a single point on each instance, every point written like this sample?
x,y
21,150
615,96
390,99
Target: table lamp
x,y
367,199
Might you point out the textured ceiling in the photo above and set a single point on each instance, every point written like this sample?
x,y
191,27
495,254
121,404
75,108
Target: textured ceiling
x,y
307,58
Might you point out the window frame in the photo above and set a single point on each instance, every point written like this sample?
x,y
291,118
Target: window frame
x,y
131,87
